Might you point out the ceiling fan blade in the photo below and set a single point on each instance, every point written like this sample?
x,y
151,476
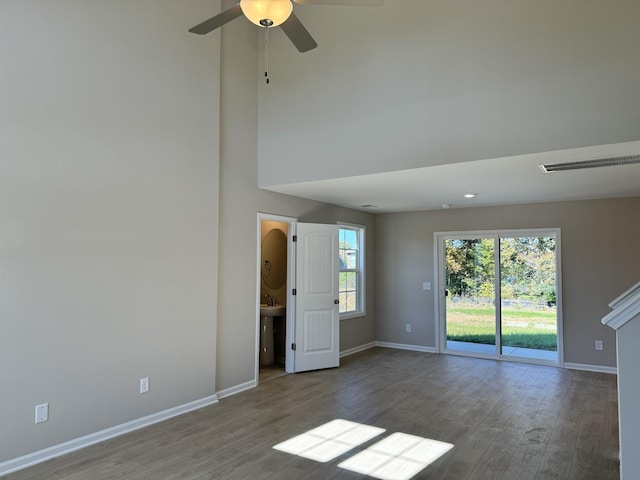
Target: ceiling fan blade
x,y
217,21
353,3
299,36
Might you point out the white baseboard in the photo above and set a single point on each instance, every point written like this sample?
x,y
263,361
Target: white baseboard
x,y
40,456
361,348
227,392
570,366
402,346
590,368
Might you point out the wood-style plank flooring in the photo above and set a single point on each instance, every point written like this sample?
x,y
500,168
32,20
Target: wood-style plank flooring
x,y
268,373
506,420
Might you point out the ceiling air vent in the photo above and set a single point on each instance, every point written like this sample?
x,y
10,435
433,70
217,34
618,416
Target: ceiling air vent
x,y
599,162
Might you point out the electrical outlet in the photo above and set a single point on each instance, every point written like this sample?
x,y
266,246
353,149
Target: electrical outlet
x,y
407,328
42,412
599,345
144,385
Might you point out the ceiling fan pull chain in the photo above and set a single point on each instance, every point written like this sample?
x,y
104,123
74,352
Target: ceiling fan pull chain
x,y
266,54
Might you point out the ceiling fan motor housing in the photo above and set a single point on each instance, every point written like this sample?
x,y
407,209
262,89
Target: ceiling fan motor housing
x,y
267,13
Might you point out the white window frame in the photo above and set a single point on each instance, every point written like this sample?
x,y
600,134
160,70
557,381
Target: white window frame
x,y
360,288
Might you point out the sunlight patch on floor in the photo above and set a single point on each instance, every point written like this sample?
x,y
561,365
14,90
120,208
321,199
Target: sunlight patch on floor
x,y
398,457
330,440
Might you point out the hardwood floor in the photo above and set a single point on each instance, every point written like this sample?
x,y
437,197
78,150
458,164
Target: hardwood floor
x,y
270,372
506,421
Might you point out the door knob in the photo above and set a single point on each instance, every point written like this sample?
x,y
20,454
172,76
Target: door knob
x,y
336,301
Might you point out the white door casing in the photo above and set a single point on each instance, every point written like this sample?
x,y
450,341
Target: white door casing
x,y
317,320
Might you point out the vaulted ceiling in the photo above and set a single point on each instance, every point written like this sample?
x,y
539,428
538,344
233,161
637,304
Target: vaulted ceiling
x,y
413,104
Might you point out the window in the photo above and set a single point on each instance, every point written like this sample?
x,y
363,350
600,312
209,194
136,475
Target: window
x,y
351,262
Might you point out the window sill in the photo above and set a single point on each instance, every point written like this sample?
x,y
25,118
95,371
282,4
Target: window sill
x,y
350,315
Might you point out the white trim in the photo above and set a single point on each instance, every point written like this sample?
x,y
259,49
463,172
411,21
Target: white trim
x,y
617,319
497,295
522,232
505,358
361,348
54,451
567,365
625,307
352,315
438,279
590,368
559,298
403,346
635,289
227,392
292,300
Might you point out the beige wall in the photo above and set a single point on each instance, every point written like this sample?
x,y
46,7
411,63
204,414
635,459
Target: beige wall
x,y
110,197
108,214
599,261
416,83
123,141
240,202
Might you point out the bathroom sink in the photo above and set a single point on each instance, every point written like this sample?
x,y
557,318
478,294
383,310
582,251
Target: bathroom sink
x,y
272,310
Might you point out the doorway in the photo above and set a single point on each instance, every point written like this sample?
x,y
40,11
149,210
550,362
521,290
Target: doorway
x,y
500,296
297,302
275,274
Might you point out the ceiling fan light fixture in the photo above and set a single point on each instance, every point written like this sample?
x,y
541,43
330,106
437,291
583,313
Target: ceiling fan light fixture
x,y
267,13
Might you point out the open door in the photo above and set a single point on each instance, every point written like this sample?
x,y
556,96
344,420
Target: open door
x,y
317,321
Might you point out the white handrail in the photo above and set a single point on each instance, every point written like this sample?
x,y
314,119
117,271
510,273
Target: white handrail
x,y
625,307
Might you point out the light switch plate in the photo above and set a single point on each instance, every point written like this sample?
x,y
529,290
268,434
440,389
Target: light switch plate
x,y
144,385
42,412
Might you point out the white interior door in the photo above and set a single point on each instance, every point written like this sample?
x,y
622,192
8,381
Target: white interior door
x,y
317,321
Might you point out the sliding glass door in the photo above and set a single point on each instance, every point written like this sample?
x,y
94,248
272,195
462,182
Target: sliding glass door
x,y
470,294
528,297
498,294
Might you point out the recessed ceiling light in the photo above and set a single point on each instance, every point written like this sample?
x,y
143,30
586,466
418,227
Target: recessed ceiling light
x,y
469,195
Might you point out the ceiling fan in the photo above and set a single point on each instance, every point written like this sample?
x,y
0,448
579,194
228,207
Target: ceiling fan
x,y
274,13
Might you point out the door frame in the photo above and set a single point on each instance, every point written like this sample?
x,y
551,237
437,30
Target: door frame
x,y
439,296
291,279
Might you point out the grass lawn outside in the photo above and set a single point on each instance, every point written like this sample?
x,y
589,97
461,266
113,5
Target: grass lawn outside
x,y
534,328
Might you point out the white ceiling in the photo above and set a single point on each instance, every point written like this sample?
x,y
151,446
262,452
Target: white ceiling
x,y
413,104
500,181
